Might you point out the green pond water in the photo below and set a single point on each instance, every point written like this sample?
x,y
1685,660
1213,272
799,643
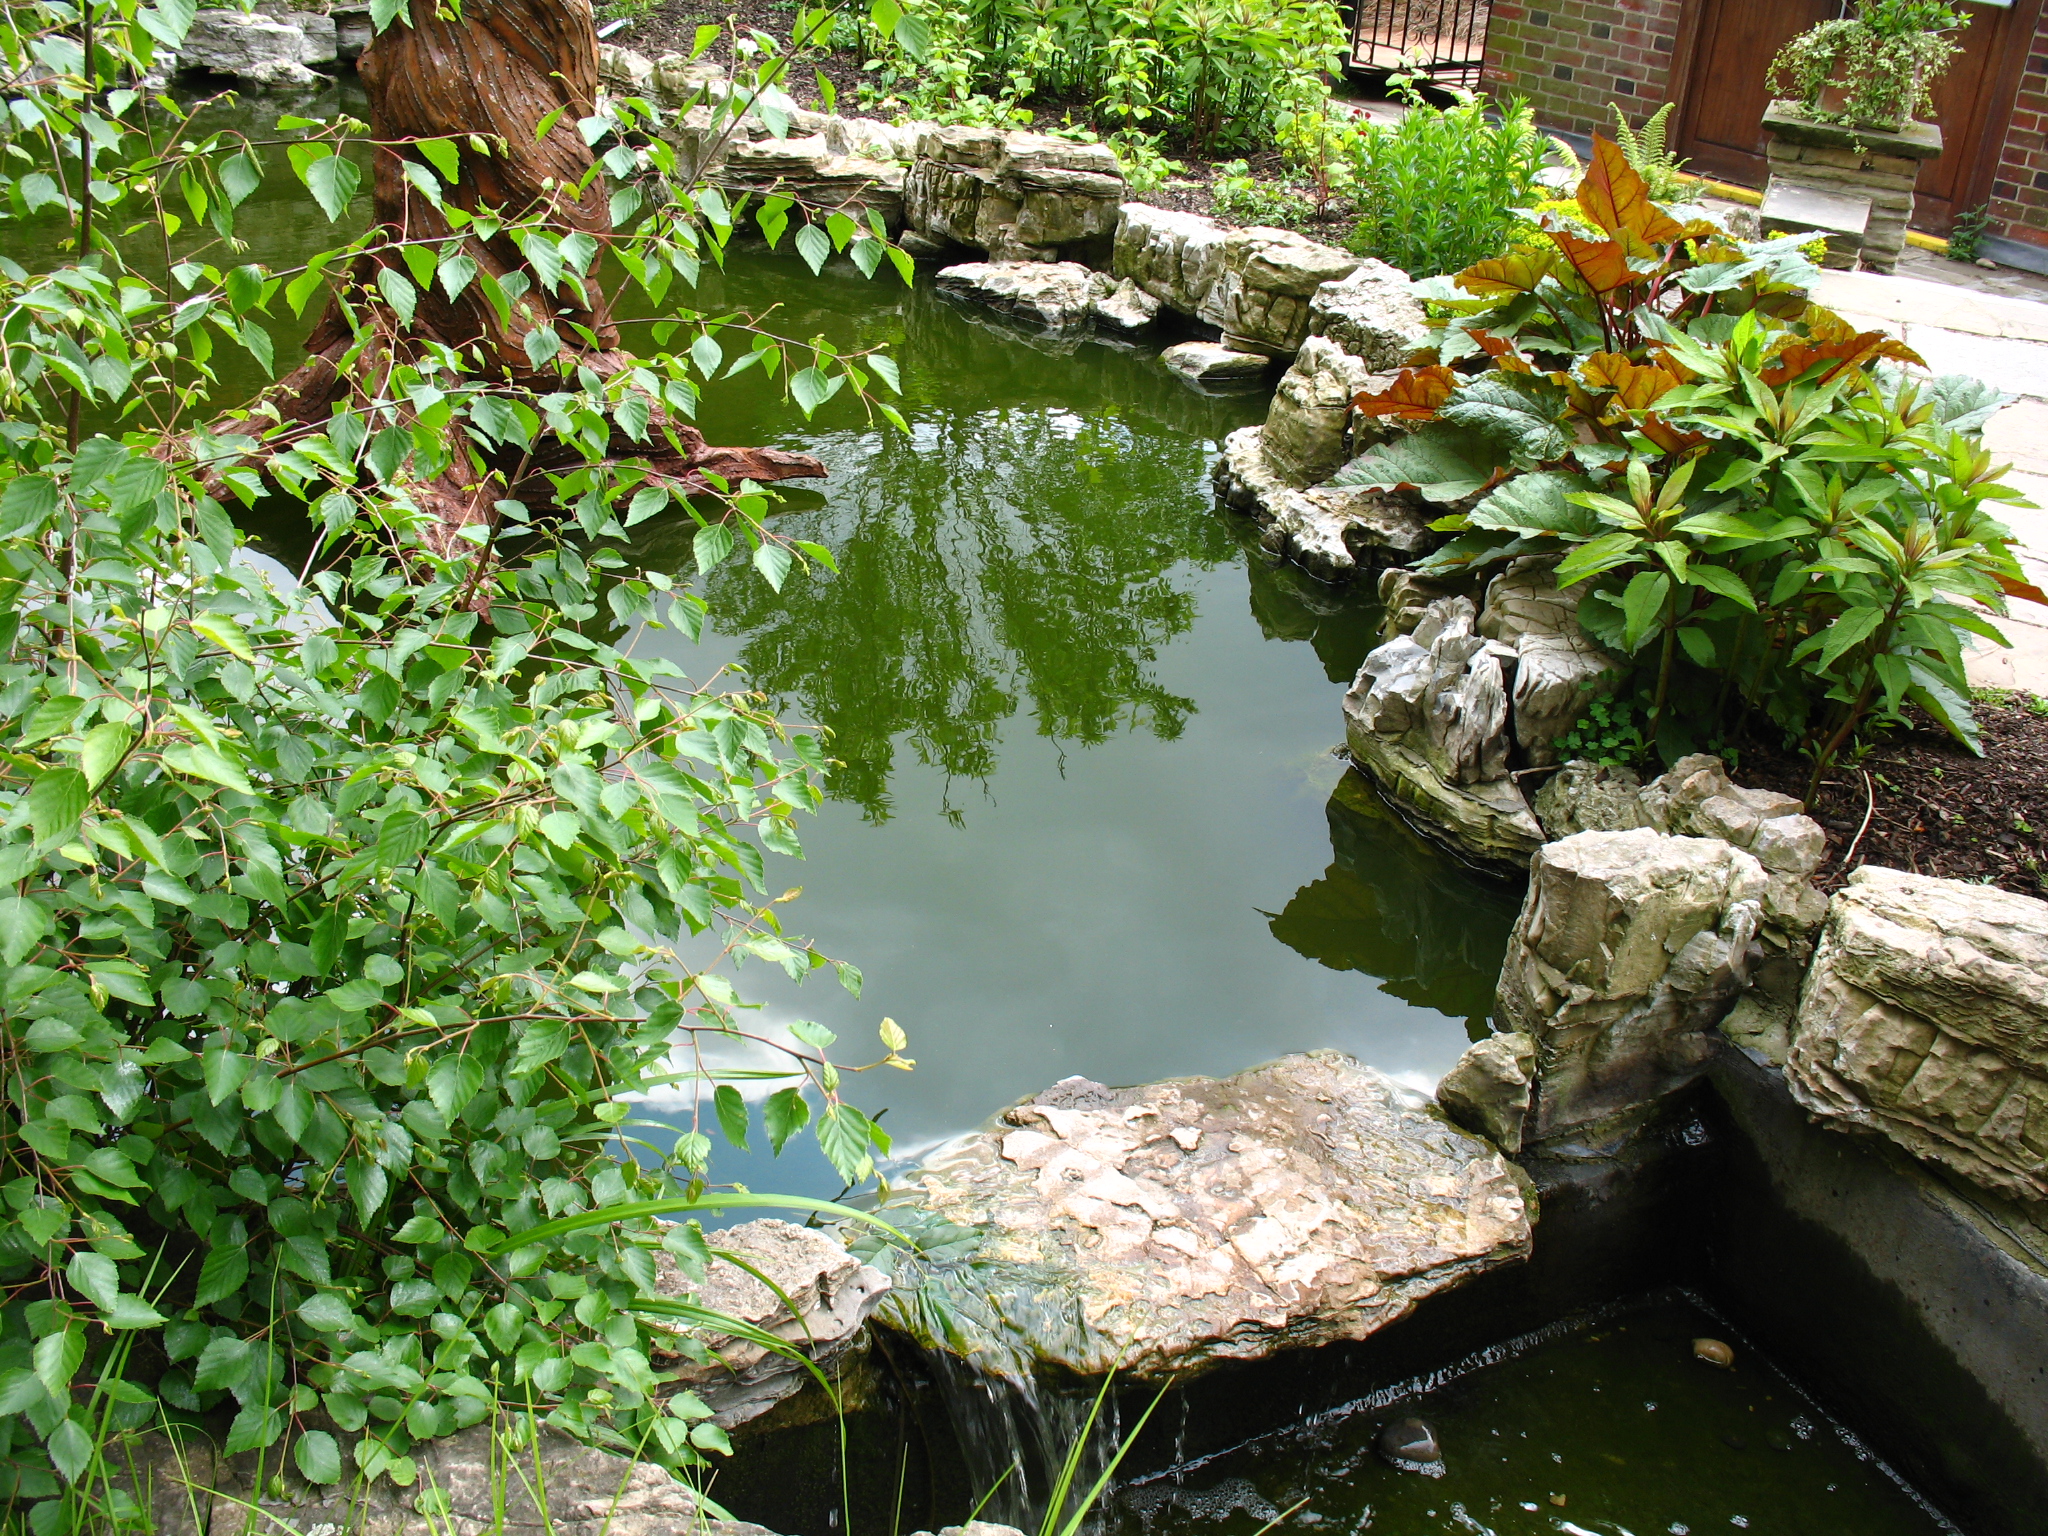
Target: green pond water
x,y
1609,1427
1089,820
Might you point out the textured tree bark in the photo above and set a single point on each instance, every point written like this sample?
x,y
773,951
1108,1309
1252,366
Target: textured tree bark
x,y
496,73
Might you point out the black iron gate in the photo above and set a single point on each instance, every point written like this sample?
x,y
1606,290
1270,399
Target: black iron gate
x,y
1441,40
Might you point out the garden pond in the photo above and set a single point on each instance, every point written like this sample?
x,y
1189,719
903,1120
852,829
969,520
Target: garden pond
x,y
1090,820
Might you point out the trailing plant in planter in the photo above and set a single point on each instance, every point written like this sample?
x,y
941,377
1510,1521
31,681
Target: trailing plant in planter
x,y
1876,69
1784,529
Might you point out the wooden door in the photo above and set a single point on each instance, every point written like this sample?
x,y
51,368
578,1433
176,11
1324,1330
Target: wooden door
x,y
1725,51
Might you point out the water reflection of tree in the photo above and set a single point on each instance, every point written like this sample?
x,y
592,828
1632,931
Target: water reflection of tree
x,y
1002,559
1024,549
1395,907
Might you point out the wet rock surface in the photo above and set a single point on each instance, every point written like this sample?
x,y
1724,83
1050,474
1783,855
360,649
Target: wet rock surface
x,y
1410,1445
1925,1020
1170,1226
1428,719
1018,196
1208,362
1630,948
832,1291
461,1487
1489,1088
1057,296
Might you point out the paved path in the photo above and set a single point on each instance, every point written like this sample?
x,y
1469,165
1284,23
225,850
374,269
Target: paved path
x,y
2003,340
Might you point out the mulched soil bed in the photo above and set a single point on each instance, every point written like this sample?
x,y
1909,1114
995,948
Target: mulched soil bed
x,y
1933,808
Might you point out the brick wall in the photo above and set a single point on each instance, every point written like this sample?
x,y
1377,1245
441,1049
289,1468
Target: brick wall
x,y
1571,58
2019,195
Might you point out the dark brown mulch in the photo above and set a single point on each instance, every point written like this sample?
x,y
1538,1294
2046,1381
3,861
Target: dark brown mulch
x,y
1932,807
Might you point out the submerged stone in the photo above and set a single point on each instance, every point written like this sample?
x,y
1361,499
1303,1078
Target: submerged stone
x,y
1410,1445
1200,1219
1714,1352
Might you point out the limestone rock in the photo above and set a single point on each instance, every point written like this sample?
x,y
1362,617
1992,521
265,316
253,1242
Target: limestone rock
x,y
869,138
1559,668
1524,599
833,1293
808,170
624,69
1372,315
1335,531
1060,296
1244,478
1205,362
1163,1228
1405,597
1175,257
1125,308
1260,299
321,34
1925,1020
1488,1090
1306,438
1017,196
189,1490
1490,823
353,32
1630,947
1590,797
260,50
1697,799
1428,718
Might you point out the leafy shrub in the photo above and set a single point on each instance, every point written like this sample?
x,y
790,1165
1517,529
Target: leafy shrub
x,y
1966,235
1438,191
1240,196
1885,61
1211,73
341,919
1646,150
1609,733
1778,522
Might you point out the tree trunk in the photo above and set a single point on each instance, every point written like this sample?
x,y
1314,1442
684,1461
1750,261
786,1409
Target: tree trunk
x,y
496,74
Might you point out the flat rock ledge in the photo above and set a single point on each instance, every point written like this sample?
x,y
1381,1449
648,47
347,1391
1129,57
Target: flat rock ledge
x,y
1157,1230
1925,1020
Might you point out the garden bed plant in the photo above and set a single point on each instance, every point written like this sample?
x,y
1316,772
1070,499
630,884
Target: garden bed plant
x,y
1786,532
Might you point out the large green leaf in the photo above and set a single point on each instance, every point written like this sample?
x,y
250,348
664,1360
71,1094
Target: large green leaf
x,y
1441,462
1522,414
1535,503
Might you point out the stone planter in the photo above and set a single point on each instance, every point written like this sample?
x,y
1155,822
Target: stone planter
x,y
1868,171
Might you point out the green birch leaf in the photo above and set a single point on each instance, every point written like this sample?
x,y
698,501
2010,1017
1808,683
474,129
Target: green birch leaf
x,y
784,1114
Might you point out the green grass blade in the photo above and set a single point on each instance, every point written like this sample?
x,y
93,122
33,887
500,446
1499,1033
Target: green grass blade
x,y
1073,1526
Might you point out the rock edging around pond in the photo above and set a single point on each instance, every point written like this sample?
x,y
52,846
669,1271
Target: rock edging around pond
x,y
1159,1229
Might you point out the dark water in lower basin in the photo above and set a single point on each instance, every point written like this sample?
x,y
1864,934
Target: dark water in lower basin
x,y
1608,1427
1089,820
